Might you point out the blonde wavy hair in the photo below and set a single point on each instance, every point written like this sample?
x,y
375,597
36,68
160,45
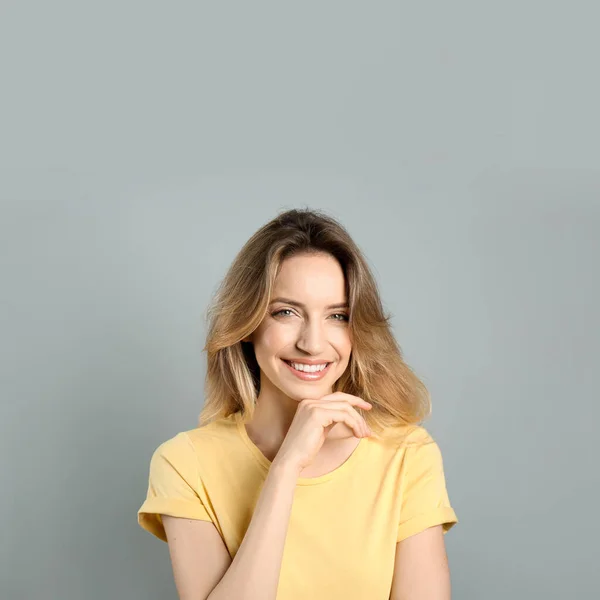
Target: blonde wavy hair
x,y
376,371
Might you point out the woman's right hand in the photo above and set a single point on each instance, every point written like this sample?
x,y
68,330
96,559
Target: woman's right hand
x,y
313,421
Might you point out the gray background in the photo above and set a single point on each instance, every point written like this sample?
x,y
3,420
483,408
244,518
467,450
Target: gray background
x,y
141,144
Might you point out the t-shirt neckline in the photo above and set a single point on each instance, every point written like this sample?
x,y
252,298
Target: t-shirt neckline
x,y
266,463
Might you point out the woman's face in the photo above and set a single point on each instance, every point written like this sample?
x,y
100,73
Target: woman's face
x,y
310,324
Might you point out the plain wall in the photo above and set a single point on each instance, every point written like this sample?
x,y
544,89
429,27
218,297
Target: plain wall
x,y
141,144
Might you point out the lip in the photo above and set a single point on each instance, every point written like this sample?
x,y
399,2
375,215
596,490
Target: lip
x,y
308,376
308,361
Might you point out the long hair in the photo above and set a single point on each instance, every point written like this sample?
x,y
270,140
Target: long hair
x,y
376,371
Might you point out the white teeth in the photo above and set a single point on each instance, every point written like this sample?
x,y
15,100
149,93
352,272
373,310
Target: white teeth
x,y
308,368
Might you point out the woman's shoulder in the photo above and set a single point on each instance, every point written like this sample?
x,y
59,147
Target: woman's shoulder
x,y
178,444
408,435
195,438
418,436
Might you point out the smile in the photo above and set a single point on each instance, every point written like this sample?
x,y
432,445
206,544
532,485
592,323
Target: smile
x,y
312,372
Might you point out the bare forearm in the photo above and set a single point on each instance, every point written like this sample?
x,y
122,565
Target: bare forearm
x,y
254,571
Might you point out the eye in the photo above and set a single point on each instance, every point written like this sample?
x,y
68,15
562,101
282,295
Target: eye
x,y
343,315
275,314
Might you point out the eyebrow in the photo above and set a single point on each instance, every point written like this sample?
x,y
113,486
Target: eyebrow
x,y
300,305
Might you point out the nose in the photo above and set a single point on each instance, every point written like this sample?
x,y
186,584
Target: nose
x,y
311,338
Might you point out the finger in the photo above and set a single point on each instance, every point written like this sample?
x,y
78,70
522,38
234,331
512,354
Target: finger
x,y
343,405
352,416
343,416
348,397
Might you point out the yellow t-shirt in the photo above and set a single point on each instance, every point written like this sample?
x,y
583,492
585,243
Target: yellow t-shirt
x,y
344,525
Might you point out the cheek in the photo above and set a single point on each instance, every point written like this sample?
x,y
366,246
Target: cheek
x,y
342,340
274,337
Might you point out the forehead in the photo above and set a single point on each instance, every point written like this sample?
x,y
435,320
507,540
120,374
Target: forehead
x,y
311,278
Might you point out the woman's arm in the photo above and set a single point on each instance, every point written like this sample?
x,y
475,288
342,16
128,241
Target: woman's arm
x,y
254,572
202,566
421,569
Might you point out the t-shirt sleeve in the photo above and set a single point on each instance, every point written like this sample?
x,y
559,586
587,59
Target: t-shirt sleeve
x,y
424,497
174,486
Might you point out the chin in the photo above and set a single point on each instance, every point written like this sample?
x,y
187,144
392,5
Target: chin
x,y
308,392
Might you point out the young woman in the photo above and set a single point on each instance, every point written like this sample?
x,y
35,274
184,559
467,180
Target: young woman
x,y
309,474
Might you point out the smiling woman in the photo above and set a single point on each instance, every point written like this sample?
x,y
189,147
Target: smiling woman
x,y
309,473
